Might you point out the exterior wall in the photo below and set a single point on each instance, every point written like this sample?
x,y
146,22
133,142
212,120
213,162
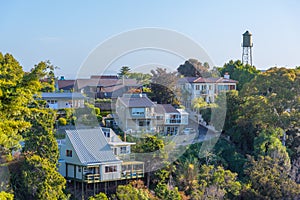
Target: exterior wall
x,y
111,175
130,119
65,103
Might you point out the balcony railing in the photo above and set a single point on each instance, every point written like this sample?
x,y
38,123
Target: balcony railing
x,y
173,121
132,174
92,178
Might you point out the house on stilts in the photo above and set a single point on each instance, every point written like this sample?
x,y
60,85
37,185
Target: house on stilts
x,y
91,158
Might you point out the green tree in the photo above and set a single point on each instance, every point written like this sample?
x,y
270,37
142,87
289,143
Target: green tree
x,y
6,196
40,139
269,144
270,179
198,104
193,68
187,175
128,192
14,98
153,154
163,87
218,183
163,192
239,72
41,179
124,71
100,196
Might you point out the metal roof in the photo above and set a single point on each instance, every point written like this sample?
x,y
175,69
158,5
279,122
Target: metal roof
x,y
62,95
91,146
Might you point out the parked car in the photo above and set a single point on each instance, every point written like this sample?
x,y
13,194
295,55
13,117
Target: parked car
x,y
188,131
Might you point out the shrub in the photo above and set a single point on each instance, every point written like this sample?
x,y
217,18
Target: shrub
x,y
62,121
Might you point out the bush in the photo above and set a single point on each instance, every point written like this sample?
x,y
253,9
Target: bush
x,y
62,121
97,111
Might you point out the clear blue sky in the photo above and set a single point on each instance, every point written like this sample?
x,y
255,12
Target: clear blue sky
x,y
65,32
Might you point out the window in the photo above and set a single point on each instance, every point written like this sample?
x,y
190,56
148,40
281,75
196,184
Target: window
x,y
79,168
138,111
197,87
51,101
69,153
110,169
123,150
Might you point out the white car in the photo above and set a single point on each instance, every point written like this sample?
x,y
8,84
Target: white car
x,y
188,131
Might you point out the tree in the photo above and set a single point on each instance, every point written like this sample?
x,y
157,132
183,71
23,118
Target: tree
x,y
187,175
269,144
199,103
239,72
193,68
14,98
163,87
128,192
270,180
163,192
152,151
23,117
100,196
218,183
140,77
39,139
41,179
124,72
6,196
278,90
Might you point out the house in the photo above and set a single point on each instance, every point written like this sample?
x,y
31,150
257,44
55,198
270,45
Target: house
x,y
169,120
105,86
97,155
135,112
63,100
208,88
65,85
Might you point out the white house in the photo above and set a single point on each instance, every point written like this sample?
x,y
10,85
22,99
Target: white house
x,y
208,88
95,155
169,119
136,112
63,100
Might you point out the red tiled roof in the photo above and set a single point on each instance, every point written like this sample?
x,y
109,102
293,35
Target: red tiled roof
x,y
206,80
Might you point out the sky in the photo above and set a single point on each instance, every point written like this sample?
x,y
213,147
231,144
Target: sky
x,y
68,32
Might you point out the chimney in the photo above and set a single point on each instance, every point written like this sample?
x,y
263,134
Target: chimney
x,y
226,75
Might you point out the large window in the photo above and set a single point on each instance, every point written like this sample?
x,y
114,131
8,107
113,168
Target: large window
x,y
110,169
69,153
138,111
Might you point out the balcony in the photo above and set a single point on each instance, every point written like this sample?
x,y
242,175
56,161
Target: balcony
x,y
132,174
173,121
92,178
132,169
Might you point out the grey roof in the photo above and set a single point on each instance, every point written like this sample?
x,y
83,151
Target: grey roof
x,y
91,146
136,100
62,95
106,83
165,108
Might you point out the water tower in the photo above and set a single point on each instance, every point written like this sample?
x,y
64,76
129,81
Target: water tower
x,y
247,48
